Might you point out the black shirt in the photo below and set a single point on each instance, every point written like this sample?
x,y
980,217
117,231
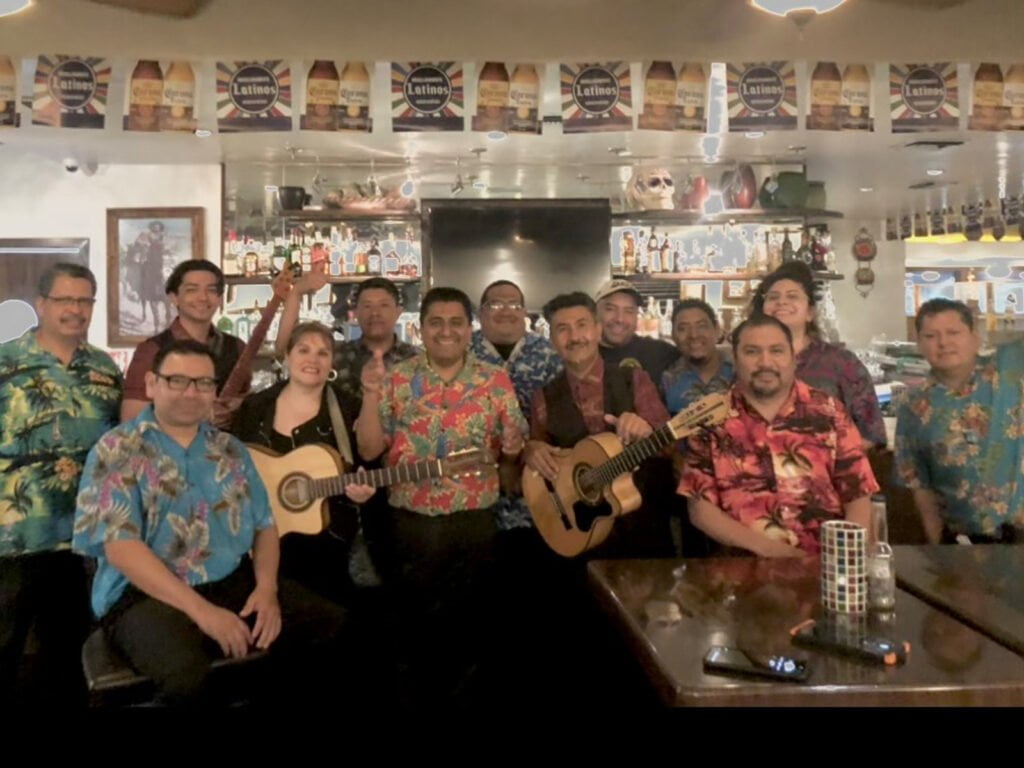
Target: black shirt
x,y
651,355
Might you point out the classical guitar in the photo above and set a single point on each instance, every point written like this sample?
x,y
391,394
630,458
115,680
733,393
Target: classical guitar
x,y
299,482
594,485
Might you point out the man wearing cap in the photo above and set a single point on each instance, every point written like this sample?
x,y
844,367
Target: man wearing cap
x,y
618,308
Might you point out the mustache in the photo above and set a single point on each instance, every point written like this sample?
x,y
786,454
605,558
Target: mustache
x,y
759,371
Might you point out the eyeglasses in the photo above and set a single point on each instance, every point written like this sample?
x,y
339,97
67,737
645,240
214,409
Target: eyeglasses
x,y
178,383
67,302
495,306
656,181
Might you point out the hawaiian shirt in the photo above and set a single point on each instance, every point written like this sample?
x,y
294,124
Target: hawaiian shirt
x,y
50,416
197,508
838,372
966,445
785,478
532,364
425,418
349,359
683,385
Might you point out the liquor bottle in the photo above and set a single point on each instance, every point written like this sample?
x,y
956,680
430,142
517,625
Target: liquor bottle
x,y
787,247
826,95
920,225
322,96
8,92
355,90
251,263
653,254
374,265
524,93
667,261
691,95
881,569
856,100
628,247
493,92
146,95
179,97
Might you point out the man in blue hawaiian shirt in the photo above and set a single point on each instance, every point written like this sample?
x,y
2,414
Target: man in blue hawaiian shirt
x,y
702,369
171,508
959,435
58,394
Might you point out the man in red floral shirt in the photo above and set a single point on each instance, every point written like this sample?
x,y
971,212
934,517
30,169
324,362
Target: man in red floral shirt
x,y
787,458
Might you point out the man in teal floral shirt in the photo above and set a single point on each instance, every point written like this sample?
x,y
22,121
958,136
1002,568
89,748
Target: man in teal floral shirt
x,y
171,508
58,394
958,436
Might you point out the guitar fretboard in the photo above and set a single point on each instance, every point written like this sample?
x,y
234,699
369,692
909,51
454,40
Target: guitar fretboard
x,y
378,478
629,459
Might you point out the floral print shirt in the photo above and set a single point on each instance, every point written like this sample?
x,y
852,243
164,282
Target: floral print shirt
x,y
424,417
966,445
197,508
683,385
532,364
838,372
785,478
51,414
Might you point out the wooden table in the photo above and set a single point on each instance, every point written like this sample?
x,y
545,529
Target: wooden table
x,y
672,611
982,585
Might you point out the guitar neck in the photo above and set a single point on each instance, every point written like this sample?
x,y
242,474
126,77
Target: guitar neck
x,y
239,374
631,457
379,478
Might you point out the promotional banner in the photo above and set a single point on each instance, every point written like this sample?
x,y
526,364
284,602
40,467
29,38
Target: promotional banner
x,y
337,96
840,97
998,98
427,96
923,97
254,96
675,96
70,91
508,102
8,93
761,96
596,97
161,96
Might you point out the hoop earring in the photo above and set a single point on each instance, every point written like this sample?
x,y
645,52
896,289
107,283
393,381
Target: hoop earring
x,y
332,374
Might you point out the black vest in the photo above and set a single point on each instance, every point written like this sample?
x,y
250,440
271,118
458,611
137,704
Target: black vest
x,y
225,353
565,420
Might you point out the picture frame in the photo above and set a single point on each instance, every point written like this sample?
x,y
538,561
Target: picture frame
x,y
143,247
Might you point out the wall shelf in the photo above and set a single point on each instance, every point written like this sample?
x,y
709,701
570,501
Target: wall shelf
x,y
729,216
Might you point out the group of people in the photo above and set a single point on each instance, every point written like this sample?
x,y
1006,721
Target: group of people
x,y
125,487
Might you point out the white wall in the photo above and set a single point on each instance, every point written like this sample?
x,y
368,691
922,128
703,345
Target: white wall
x,y
860,318
39,199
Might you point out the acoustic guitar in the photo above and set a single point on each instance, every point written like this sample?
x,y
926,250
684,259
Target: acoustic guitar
x,y
299,482
594,486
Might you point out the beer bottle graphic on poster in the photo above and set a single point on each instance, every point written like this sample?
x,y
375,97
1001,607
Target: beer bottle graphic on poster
x,y
355,95
322,96
524,99
826,95
146,96
8,92
179,97
492,97
856,99
691,96
1013,94
659,97
988,97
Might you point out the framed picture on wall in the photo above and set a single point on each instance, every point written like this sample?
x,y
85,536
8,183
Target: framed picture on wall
x,y
22,263
143,247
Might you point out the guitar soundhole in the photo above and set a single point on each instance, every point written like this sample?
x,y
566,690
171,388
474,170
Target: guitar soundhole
x,y
584,491
294,492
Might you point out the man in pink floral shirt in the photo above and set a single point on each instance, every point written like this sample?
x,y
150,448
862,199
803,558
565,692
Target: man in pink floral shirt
x,y
787,458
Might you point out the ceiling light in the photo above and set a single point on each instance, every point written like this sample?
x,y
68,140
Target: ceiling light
x,y
620,151
935,171
9,7
795,7
497,135
203,133
479,184
867,189
796,148
408,188
754,134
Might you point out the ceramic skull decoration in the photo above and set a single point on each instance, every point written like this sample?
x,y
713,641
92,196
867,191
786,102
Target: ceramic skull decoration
x,y
651,189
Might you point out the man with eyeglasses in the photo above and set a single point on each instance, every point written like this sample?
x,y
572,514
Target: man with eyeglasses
x,y
58,394
196,289
187,551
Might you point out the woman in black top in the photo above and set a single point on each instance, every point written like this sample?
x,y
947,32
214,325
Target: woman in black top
x,y
292,413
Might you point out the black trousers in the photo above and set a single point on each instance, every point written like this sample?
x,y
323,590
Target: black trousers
x,y
305,662
47,590
438,576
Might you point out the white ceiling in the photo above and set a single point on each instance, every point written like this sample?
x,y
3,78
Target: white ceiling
x,y
544,30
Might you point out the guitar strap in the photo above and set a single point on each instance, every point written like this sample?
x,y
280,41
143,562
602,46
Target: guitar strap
x,y
338,425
